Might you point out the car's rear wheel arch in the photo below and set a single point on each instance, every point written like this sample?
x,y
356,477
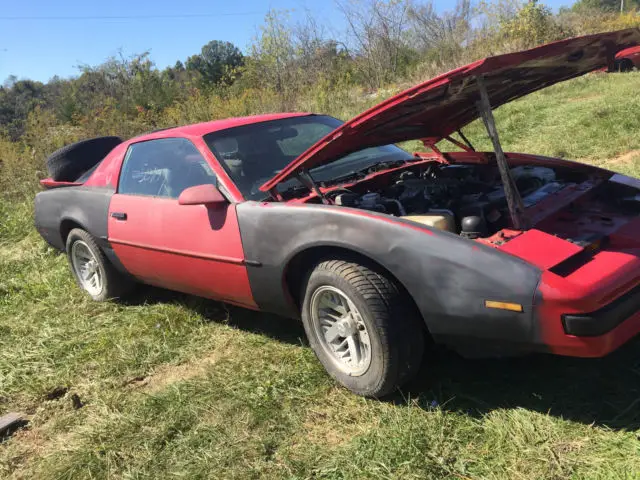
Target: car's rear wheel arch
x,y
110,283
302,263
66,226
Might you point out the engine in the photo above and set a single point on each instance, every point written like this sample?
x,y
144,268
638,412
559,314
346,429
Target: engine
x,y
464,199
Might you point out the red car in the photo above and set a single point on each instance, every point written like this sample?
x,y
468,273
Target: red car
x,y
375,249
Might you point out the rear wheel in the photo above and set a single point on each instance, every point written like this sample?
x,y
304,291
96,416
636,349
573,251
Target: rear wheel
x,y
362,327
91,268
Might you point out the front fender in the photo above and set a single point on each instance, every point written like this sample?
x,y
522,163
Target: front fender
x,y
448,277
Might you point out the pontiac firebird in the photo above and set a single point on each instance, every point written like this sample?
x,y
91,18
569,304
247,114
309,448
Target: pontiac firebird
x,y
379,252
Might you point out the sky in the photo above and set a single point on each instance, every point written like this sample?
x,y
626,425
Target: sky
x,y
43,38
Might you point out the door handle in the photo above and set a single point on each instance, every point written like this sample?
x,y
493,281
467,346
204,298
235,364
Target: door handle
x,y
119,215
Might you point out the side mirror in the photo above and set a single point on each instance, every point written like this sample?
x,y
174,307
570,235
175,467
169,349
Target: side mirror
x,y
201,195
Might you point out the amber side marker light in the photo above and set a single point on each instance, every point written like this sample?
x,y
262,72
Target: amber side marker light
x,y
513,307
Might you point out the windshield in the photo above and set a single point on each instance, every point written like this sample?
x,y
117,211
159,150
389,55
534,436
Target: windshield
x,y
253,154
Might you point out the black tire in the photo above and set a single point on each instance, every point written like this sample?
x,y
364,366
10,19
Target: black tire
x,y
68,163
396,330
623,66
114,284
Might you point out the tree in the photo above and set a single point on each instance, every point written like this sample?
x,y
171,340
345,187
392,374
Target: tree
x,y
605,5
131,84
177,72
291,59
17,99
380,38
533,25
440,37
273,53
436,30
216,62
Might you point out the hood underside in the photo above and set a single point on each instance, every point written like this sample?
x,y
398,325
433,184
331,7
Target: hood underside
x,y
439,107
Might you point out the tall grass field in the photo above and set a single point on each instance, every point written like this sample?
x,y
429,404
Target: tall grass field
x,y
174,386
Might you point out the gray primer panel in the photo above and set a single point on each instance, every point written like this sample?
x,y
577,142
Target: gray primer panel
x,y
86,206
448,277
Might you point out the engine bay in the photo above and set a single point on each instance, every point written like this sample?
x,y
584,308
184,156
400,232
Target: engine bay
x,y
469,199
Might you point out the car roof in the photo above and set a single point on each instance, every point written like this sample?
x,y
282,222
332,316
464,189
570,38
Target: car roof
x,y
200,129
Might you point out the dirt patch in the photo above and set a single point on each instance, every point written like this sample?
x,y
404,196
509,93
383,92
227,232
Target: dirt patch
x,y
32,438
166,375
626,158
568,447
17,252
27,444
583,98
39,440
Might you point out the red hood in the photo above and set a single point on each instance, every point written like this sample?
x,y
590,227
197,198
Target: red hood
x,y
440,106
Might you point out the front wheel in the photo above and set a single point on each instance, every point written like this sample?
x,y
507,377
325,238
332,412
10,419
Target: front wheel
x,y
91,268
362,327
623,66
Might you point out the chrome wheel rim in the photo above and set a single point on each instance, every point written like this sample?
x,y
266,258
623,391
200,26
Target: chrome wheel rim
x,y
85,265
341,331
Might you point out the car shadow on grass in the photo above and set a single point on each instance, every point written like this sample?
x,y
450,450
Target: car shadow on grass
x,y
604,391
278,328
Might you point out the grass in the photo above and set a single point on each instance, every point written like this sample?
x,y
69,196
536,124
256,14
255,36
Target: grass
x,y
177,386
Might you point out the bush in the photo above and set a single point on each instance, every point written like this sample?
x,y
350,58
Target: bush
x,y
291,67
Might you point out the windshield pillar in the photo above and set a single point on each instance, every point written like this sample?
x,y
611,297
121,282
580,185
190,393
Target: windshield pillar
x,y
514,199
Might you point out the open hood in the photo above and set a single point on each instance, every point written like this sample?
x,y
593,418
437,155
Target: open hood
x,y
439,107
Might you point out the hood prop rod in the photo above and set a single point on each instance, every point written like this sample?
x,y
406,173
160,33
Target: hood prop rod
x,y
466,140
307,180
514,200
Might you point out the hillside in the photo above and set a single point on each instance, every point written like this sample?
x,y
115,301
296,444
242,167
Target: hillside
x,y
173,385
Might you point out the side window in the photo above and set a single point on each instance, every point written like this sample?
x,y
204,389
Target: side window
x,y
163,168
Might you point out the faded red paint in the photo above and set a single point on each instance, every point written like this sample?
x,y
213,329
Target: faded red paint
x,y
108,172
608,274
541,249
201,195
563,295
188,248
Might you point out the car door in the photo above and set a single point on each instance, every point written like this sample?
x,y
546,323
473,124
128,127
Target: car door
x,y
190,248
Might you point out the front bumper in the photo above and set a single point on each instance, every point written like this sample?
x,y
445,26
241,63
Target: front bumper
x,y
604,320
594,317
600,345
